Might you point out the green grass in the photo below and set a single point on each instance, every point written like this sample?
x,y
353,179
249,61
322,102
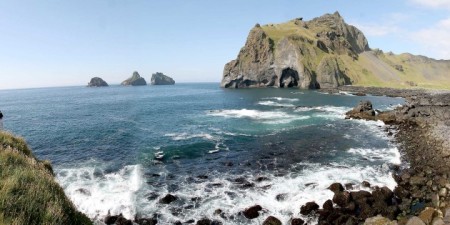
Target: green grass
x,y
28,191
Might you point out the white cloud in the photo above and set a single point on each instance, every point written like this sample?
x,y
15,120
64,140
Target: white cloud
x,y
435,39
376,29
433,3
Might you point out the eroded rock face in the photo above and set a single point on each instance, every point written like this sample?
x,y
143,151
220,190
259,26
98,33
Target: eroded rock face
x,y
134,80
97,82
296,60
161,79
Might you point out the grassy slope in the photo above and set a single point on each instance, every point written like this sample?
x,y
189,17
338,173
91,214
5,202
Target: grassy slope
x,y
28,192
372,69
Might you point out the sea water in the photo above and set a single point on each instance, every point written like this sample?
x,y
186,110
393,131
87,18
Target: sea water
x,y
121,149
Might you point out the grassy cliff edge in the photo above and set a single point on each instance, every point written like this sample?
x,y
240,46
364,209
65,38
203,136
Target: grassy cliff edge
x,y
29,193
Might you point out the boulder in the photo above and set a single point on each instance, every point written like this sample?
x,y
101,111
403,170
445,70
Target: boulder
x,y
272,221
363,110
97,82
378,220
342,199
168,199
161,79
308,208
204,221
336,188
134,80
297,221
252,212
415,221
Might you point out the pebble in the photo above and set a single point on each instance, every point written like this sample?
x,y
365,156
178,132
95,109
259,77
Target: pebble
x,y
443,192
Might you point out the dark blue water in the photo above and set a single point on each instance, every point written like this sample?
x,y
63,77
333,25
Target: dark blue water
x,y
104,140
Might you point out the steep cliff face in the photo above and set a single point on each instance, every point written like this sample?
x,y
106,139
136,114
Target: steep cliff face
x,y
325,52
293,54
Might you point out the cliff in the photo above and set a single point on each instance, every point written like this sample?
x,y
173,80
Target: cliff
x,y
97,82
161,79
325,52
134,80
28,191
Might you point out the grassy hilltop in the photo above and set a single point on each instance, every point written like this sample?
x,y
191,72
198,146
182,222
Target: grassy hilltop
x,y
29,193
327,52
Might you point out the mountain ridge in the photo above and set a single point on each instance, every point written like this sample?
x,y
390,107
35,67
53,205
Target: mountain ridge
x,y
326,52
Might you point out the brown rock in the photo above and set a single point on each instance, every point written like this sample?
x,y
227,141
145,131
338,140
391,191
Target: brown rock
x,y
308,208
336,188
252,212
427,215
297,221
342,199
272,221
415,221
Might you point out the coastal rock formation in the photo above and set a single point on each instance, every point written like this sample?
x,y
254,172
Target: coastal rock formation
x,y
325,52
134,80
272,57
29,193
161,79
97,82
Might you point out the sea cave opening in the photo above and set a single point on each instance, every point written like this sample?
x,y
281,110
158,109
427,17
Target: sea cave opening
x,y
289,78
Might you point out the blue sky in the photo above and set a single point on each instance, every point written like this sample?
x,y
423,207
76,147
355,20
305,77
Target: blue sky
x,y
59,43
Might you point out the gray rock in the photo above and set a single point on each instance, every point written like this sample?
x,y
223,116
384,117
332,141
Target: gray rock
x,y
161,79
379,220
415,221
134,80
97,82
443,192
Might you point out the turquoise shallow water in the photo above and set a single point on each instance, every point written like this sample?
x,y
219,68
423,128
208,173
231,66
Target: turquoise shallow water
x,y
214,143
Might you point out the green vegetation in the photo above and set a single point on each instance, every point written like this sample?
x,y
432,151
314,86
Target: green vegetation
x,y
28,192
374,68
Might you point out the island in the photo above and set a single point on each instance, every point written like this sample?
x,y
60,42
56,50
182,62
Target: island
x,y
134,80
325,52
97,82
159,78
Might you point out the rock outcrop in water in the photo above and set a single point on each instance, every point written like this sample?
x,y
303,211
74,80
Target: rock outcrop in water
x,y
161,79
97,82
134,80
324,52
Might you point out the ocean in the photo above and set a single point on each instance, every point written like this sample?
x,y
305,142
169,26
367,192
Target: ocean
x,y
121,149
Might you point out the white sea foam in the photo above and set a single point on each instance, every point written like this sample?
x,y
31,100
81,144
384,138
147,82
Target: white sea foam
x,y
308,185
282,99
388,154
95,193
186,136
275,104
268,117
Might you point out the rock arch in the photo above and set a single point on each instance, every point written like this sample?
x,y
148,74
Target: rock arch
x,y
289,78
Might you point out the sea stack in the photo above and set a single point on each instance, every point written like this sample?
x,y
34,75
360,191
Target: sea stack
x,y
97,82
134,80
161,79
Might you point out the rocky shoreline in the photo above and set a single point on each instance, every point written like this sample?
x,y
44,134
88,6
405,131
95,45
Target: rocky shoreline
x,y
421,127
422,196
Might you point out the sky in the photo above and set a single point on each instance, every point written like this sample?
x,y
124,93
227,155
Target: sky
x,y
65,43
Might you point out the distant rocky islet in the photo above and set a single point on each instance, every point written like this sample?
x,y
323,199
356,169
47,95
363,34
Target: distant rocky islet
x,y
157,78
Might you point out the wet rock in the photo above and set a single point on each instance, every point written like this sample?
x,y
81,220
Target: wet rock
x,y
361,196
217,212
365,184
336,188
168,199
216,222
415,221
342,199
110,219
261,179
152,196
123,221
363,110
401,192
435,200
84,191
252,212
204,221
308,208
328,205
348,186
417,180
297,221
383,194
281,197
360,94
272,221
190,221
146,221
